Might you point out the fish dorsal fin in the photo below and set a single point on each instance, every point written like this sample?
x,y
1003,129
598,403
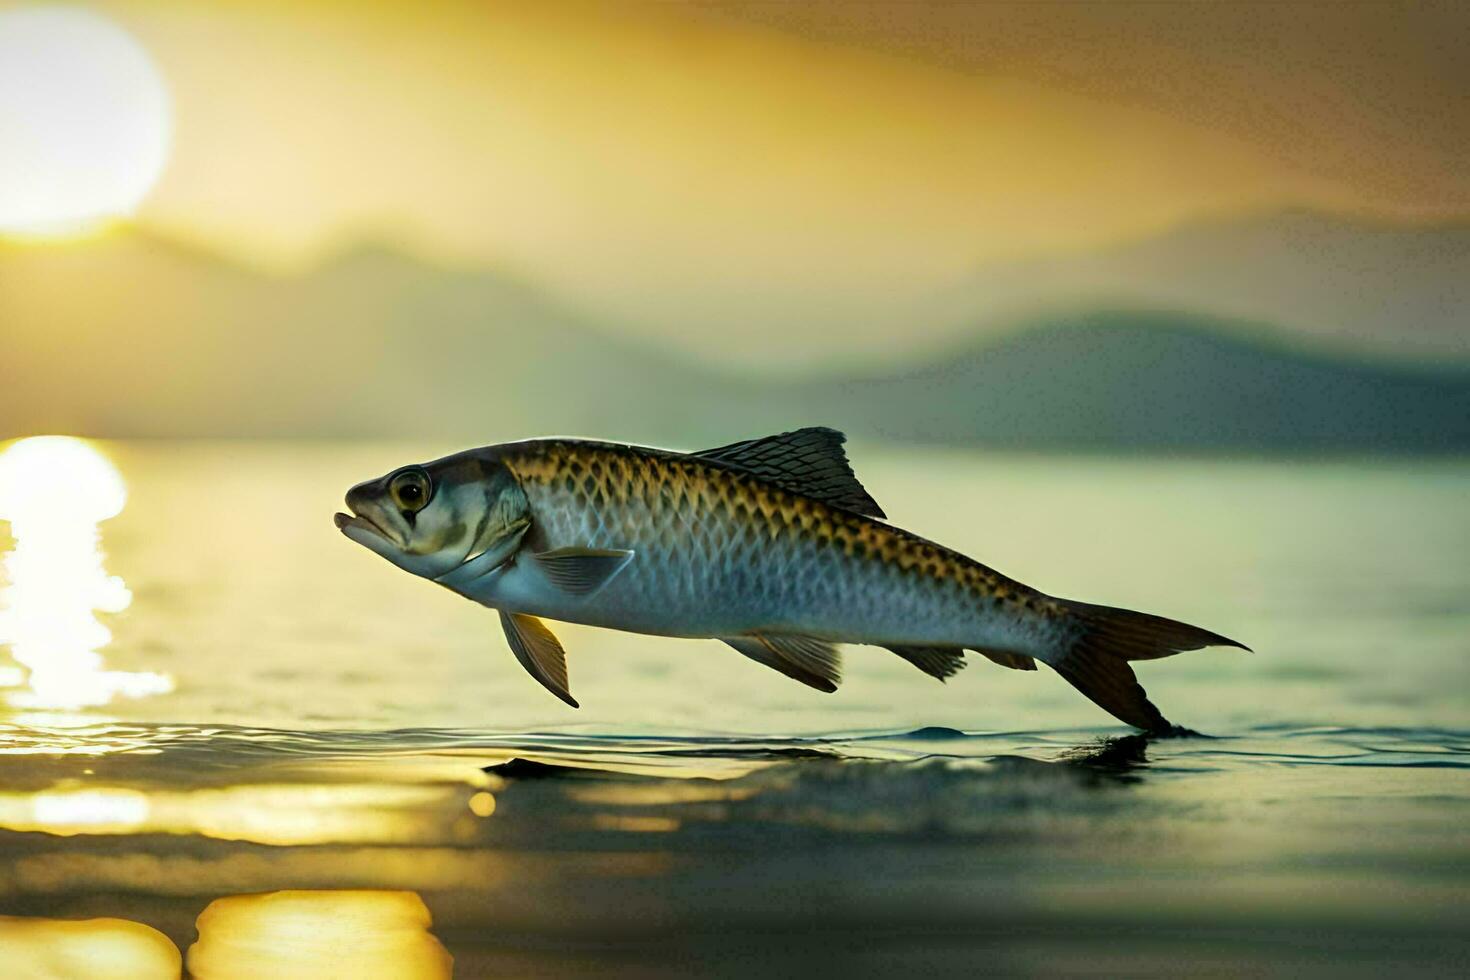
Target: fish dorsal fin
x,y
816,663
539,652
805,461
940,662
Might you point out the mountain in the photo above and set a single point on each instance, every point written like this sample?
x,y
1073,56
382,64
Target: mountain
x,y
1358,285
133,335
1159,382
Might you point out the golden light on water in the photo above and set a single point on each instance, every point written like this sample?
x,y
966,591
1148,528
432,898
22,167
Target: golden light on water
x,y
280,814
366,935
482,804
87,121
99,949
55,492
111,811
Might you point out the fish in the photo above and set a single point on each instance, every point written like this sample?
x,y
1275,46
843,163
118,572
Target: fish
x,y
771,545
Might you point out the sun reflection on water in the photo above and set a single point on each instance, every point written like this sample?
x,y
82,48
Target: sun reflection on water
x,y
99,949
55,492
364,934
281,814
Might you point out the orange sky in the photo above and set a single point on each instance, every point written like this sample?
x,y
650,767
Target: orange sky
x,y
822,163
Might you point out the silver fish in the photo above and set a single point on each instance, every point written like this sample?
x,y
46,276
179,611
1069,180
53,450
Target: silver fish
x,y
771,545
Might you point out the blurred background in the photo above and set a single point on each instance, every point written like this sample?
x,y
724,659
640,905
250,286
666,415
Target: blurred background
x,y
1192,227
1158,305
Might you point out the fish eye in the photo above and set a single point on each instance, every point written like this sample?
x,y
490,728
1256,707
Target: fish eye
x,y
411,490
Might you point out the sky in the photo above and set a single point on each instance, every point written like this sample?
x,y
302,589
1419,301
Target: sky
x,y
807,165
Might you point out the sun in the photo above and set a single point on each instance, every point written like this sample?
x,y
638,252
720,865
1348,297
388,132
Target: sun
x,y
85,121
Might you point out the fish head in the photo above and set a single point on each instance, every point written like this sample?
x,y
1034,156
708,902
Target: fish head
x,y
431,518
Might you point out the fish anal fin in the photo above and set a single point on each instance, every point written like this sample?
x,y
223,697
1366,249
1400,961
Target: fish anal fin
x,y
807,461
816,663
581,571
940,662
539,651
1015,661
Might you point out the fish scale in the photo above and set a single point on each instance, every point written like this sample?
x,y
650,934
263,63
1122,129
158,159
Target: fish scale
x,y
713,542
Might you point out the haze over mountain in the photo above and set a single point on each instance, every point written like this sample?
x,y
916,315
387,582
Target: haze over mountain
x,y
1361,285
794,177
154,339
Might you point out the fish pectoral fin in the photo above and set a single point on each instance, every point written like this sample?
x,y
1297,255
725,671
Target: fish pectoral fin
x,y
581,571
940,662
816,663
807,461
1015,661
539,651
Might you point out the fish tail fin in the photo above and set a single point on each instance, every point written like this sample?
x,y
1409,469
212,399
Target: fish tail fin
x,y
1096,663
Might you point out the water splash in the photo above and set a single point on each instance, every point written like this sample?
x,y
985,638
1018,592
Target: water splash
x,y
55,492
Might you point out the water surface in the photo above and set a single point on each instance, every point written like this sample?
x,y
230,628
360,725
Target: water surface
x,y
332,726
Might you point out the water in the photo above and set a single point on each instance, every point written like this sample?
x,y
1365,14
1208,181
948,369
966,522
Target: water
x,y
331,720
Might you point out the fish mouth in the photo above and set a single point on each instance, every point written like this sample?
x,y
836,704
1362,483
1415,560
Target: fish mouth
x,y
345,521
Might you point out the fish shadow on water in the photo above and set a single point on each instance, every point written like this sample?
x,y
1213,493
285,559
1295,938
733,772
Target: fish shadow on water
x,y
833,790
1123,758
524,768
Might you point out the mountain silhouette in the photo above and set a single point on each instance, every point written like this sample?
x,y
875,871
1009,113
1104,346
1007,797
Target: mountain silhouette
x,y
135,335
1354,284
1128,379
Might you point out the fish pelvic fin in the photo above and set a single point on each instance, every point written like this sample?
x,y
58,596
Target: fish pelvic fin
x,y
1097,661
539,651
938,662
816,663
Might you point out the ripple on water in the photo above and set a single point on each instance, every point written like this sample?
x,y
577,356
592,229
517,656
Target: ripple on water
x,y
230,747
